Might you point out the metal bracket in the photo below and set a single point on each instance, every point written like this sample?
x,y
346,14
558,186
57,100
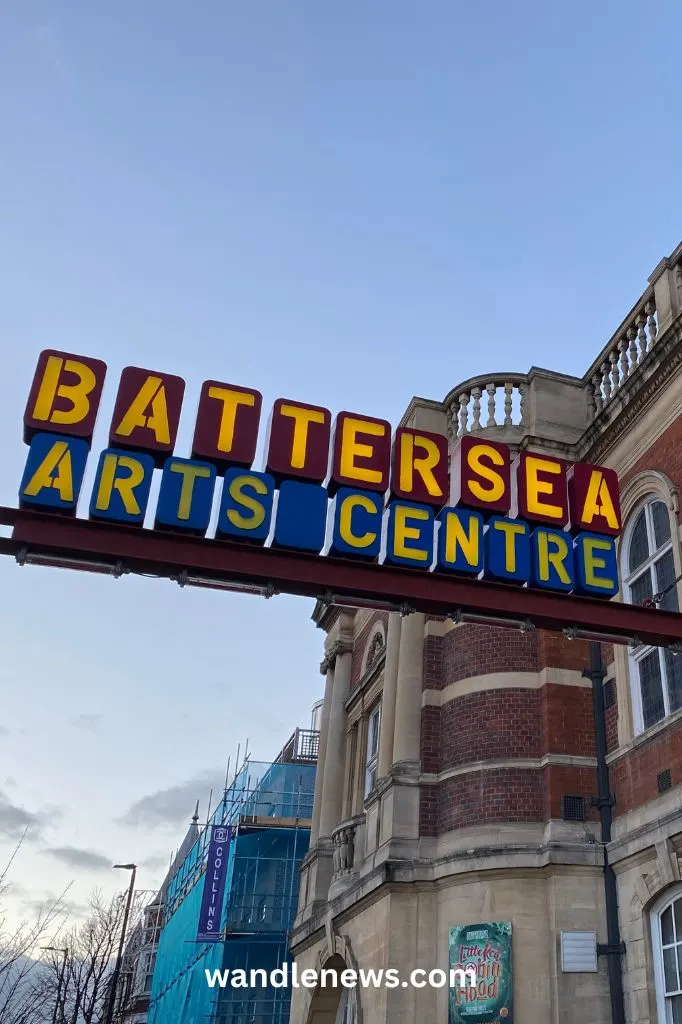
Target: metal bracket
x,y
406,609
603,949
607,801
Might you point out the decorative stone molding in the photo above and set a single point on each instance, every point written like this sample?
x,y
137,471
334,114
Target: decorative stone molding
x,y
651,481
343,839
338,648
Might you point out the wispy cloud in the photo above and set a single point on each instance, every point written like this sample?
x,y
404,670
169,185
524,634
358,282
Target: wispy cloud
x,y
15,820
79,859
175,805
89,722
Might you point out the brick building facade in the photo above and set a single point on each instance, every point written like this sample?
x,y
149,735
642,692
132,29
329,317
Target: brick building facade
x,y
457,761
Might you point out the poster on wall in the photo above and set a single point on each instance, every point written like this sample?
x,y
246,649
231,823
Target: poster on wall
x,y
487,949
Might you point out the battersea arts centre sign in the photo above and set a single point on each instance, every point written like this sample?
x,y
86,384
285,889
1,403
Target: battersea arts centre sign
x,y
346,486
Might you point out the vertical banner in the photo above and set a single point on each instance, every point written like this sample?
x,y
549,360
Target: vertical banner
x,y
487,949
214,884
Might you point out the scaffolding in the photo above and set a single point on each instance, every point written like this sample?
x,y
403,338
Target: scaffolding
x,y
268,807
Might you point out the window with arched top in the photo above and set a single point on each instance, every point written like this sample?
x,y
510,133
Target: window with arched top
x,y
648,570
666,937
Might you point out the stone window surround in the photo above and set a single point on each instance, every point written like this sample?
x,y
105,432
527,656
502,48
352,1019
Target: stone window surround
x,y
669,897
646,486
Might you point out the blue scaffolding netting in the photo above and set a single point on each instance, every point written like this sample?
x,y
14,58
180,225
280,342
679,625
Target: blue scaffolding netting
x,y
268,807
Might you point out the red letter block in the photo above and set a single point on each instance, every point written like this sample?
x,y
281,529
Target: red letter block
x,y
65,395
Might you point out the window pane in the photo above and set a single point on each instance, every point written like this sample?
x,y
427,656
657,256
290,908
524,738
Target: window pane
x,y
639,543
670,969
677,907
673,672
661,518
667,934
665,576
653,708
676,1009
641,588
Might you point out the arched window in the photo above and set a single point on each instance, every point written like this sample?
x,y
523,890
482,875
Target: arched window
x,y
347,1011
666,936
649,568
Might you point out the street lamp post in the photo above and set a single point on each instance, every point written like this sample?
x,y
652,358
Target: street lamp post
x,y
60,977
119,958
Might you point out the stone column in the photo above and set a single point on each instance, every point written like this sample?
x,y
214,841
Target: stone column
x,y
335,752
389,695
327,667
408,708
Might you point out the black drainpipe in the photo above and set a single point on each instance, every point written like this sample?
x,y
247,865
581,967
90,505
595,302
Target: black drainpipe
x,y
614,948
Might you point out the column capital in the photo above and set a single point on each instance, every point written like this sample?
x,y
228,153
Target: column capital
x,y
338,648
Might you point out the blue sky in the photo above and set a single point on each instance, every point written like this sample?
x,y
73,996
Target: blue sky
x,y
346,204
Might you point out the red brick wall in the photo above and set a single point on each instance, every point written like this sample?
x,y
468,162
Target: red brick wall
x,y
433,663
567,720
472,650
430,739
664,455
567,780
490,725
633,777
481,798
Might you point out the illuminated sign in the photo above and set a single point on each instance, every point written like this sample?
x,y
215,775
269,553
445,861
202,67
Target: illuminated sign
x,y
345,486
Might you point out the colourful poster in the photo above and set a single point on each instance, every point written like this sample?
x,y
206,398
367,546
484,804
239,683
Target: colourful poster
x,y
482,993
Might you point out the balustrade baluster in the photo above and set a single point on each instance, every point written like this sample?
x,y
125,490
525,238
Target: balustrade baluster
x,y
650,310
624,365
596,393
492,395
508,391
476,393
522,404
633,353
463,415
615,376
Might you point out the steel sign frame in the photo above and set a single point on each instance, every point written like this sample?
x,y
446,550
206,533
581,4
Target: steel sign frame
x,y
95,546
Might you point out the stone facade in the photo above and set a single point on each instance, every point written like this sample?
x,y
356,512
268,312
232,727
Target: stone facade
x,y
484,731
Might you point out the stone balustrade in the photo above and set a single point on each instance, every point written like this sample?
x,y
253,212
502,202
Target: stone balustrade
x,y
622,355
501,402
481,403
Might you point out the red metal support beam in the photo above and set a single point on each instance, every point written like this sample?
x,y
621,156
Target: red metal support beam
x,y
101,547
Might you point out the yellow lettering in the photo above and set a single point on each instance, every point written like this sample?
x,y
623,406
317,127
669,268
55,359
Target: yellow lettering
x,y
598,501
593,562
352,449
457,538
190,474
536,487
402,532
247,501
494,490
351,502
231,401
422,464
302,419
54,471
552,557
511,531
77,394
110,481
151,394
